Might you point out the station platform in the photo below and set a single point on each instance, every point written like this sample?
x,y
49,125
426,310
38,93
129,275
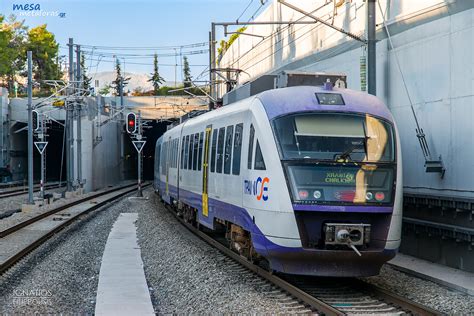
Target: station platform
x,y
452,278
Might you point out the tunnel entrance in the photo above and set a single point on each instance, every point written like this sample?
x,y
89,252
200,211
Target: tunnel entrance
x,y
53,153
155,129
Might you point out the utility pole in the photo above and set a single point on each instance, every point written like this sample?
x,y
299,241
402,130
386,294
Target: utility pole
x,y
29,55
371,48
69,120
121,92
139,193
78,110
42,154
175,68
212,62
122,144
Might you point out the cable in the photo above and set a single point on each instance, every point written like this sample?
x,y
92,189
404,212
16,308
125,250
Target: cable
x,y
100,47
278,31
145,64
244,10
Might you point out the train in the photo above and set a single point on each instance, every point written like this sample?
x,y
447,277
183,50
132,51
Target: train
x,y
305,180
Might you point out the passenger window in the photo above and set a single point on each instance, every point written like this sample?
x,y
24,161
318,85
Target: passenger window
x,y
175,158
220,150
186,155
259,162
174,153
163,151
213,150
200,150
237,149
182,153
195,152
228,149
251,137
190,158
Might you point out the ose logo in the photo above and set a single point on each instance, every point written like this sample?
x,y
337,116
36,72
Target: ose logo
x,y
258,188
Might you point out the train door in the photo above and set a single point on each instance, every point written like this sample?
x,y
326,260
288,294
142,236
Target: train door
x,y
205,172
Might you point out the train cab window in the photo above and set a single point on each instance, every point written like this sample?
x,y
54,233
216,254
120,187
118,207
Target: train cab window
x,y
251,137
186,152
237,149
190,157
220,149
182,153
228,149
195,151
213,150
259,162
201,140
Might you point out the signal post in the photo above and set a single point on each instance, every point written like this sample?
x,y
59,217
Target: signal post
x,y
135,128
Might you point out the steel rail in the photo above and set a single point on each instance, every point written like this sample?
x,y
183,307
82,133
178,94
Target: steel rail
x,y
395,299
38,242
24,190
32,220
308,299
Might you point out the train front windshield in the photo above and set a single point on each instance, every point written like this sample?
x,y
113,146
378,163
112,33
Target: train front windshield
x,y
337,158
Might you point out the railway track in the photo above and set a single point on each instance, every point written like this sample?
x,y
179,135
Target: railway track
x,y
324,295
19,190
19,240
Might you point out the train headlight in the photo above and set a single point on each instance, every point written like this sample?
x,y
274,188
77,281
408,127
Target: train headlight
x,y
317,194
369,196
303,194
379,196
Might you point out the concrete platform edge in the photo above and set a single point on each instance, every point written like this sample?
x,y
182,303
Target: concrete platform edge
x,y
451,285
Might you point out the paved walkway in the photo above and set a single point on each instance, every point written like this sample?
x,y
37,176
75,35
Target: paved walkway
x,y
122,286
453,278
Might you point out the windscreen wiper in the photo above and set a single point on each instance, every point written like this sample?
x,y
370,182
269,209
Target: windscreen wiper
x,y
345,156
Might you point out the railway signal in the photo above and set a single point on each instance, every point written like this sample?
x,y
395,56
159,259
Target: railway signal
x,y
36,124
131,123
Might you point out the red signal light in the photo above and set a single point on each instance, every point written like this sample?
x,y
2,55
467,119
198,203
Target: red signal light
x,y
131,123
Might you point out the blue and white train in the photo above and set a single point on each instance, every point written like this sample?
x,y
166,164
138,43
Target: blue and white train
x,y
307,179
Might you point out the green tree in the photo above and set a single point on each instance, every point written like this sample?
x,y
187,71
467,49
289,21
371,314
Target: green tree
x,y
116,83
12,48
187,80
45,53
156,79
86,80
105,90
5,56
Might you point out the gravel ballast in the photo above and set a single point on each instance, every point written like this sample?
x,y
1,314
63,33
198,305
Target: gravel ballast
x,y
187,275
424,292
61,276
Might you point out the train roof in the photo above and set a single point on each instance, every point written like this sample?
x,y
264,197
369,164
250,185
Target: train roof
x,y
295,99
